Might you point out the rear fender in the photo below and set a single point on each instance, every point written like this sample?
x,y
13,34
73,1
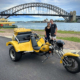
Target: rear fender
x,y
68,54
14,44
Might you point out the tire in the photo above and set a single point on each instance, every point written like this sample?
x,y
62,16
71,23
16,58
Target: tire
x,y
15,56
71,68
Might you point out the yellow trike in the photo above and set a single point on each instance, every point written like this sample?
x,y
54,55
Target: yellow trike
x,y
25,41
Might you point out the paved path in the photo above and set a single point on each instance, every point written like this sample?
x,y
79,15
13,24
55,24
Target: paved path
x,y
31,68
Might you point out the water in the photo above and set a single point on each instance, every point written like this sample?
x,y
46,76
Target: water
x,y
60,25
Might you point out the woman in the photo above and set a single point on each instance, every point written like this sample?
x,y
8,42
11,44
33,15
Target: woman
x,y
47,32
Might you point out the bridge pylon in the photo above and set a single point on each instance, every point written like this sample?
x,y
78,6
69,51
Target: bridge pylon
x,y
73,18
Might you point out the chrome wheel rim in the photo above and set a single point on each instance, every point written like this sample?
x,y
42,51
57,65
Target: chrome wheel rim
x,y
12,54
73,65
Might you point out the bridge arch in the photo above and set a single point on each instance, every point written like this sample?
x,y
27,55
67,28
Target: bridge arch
x,y
17,8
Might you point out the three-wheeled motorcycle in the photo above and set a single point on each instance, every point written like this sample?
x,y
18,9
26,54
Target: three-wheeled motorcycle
x,y
25,41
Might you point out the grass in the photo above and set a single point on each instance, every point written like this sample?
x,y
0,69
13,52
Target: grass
x,y
2,31
6,28
41,35
68,32
74,39
37,30
60,31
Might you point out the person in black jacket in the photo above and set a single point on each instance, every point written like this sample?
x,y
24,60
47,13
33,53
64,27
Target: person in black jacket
x,y
47,32
53,30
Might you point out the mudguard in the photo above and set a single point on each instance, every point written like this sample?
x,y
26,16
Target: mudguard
x,y
13,43
27,46
68,54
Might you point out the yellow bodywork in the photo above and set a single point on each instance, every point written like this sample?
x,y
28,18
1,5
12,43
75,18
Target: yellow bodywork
x,y
27,46
44,48
47,43
40,42
17,30
68,54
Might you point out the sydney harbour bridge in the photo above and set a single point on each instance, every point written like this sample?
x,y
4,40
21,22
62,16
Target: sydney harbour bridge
x,y
39,9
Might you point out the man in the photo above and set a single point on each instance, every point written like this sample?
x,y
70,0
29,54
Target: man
x,y
53,30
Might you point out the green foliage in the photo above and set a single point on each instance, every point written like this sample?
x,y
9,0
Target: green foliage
x,y
37,30
75,39
6,28
68,32
42,35
2,31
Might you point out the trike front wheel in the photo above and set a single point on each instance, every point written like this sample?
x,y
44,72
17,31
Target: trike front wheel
x,y
74,64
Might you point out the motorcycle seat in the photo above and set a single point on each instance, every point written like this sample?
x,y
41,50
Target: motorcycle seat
x,y
34,44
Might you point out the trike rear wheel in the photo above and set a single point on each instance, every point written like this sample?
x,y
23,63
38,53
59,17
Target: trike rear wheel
x,y
15,56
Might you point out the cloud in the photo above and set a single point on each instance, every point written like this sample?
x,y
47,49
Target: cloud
x,y
37,16
6,4
33,18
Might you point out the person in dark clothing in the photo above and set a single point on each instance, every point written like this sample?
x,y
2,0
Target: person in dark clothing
x,y
47,32
53,30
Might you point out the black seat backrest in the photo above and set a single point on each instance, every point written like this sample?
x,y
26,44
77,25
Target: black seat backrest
x,y
34,43
23,37
22,33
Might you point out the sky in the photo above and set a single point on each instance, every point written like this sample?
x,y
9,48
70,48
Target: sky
x,y
67,5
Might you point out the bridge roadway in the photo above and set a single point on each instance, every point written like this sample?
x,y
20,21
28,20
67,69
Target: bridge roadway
x,y
78,17
37,15
30,67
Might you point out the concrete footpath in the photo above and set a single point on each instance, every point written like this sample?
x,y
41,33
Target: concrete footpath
x,y
65,50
